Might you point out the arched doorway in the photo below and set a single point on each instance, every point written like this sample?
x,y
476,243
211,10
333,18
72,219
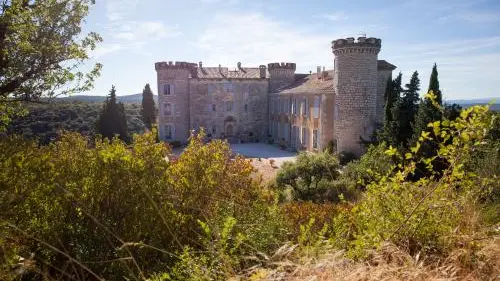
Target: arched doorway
x,y
229,130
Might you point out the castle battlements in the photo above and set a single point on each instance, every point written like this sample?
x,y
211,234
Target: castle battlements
x,y
176,65
361,45
277,65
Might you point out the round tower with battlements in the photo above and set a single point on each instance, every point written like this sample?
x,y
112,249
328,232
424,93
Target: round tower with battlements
x,y
281,75
173,99
355,86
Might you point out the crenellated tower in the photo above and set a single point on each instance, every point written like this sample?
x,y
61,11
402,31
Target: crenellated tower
x,y
355,86
173,99
281,75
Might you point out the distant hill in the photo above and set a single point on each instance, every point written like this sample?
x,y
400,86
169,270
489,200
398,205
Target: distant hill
x,y
482,101
135,98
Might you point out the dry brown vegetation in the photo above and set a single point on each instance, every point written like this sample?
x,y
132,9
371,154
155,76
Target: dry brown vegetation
x,y
389,263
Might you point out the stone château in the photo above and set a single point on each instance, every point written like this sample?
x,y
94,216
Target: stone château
x,y
273,103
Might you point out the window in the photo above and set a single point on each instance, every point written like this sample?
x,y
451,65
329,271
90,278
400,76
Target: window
x,y
214,107
211,89
167,89
246,107
336,113
304,137
294,106
306,106
315,138
229,105
228,87
316,107
214,129
169,132
168,110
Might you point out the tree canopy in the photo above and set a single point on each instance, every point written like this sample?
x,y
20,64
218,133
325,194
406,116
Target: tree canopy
x,y
148,111
42,49
112,120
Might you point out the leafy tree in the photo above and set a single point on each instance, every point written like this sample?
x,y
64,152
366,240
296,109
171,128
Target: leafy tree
x,y
112,120
41,49
427,111
148,111
405,111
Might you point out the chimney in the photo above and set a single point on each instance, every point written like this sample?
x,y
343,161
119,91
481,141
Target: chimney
x,y
262,69
200,65
318,71
239,65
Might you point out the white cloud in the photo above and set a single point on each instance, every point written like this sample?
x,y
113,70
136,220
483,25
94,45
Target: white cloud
x,y
254,39
145,30
472,17
127,33
333,16
104,49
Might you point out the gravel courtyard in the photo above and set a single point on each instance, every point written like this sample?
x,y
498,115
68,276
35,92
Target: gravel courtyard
x,y
266,153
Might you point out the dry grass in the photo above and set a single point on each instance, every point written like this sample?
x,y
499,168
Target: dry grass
x,y
389,263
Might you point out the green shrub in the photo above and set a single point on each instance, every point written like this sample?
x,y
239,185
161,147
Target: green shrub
x,y
346,157
123,211
309,175
374,164
431,215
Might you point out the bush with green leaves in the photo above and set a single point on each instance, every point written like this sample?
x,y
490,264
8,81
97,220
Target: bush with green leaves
x,y
77,210
311,176
373,164
433,214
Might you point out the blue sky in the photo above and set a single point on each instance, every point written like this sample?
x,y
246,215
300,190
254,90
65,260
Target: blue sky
x,y
462,37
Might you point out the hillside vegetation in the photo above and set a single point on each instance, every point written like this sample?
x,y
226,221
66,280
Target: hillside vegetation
x,y
43,121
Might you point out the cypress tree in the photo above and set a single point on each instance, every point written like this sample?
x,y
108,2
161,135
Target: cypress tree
x,y
392,96
112,119
405,111
427,111
148,111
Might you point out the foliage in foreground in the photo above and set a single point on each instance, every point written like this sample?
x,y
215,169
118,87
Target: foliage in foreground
x,y
434,214
115,212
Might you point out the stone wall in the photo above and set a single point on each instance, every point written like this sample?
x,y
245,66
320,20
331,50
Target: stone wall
x,y
249,107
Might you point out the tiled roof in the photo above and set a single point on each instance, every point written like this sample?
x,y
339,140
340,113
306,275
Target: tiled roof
x,y
382,64
310,84
225,73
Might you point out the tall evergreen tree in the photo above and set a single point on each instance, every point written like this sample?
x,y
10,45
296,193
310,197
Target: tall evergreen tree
x,y
112,120
427,111
148,111
392,96
405,111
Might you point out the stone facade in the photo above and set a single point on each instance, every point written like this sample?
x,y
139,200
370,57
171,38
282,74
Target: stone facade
x,y
275,104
